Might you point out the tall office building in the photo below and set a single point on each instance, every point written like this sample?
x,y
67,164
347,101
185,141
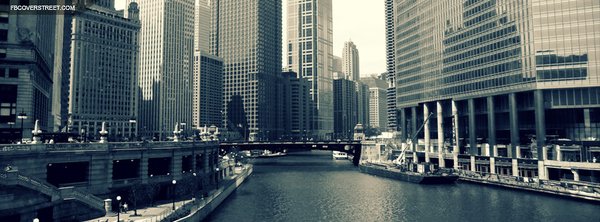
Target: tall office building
x,y
345,111
362,103
297,106
166,66
390,67
310,54
104,71
247,36
26,71
350,61
60,84
337,64
208,90
501,79
202,26
377,100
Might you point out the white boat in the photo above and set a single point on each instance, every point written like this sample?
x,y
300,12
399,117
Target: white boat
x,y
339,155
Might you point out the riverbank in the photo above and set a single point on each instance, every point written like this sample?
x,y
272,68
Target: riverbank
x,y
186,210
586,192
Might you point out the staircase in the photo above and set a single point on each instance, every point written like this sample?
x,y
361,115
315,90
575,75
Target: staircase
x,y
12,177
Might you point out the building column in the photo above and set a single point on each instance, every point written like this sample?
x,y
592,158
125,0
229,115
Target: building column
x,y
455,134
176,160
440,130
514,125
492,165
515,167
575,174
427,135
540,122
491,126
404,135
144,167
473,167
414,132
472,131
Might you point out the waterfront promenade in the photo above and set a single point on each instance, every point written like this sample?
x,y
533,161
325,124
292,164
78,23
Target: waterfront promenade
x,y
185,210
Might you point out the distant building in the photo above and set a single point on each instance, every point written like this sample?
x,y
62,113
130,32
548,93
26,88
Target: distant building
x,y
362,103
390,64
27,44
345,111
247,36
104,71
208,90
166,66
202,21
297,108
376,80
338,64
351,63
310,54
378,108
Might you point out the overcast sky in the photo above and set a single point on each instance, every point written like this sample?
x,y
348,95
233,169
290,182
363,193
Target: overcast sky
x,y
363,21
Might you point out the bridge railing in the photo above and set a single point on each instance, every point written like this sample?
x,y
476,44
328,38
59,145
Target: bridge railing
x,y
88,199
19,148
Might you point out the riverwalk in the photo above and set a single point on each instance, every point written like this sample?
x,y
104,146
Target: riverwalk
x,y
186,210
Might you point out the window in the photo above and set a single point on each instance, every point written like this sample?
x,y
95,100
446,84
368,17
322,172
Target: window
x,y
3,35
13,73
3,17
8,103
2,53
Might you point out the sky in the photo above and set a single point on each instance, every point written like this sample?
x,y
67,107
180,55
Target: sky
x,y
362,21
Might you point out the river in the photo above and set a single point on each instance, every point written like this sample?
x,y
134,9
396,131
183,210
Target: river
x,y
310,186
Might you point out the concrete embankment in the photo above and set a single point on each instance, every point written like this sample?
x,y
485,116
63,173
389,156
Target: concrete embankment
x,y
576,192
209,204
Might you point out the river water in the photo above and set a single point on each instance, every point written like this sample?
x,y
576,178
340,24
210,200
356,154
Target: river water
x,y
310,186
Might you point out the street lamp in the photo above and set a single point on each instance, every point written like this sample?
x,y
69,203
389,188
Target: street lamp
x,y
22,116
36,220
218,177
119,208
174,182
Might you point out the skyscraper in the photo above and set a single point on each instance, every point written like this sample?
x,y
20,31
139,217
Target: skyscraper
x,y
202,26
310,54
104,71
345,108
362,103
166,65
499,77
350,61
390,61
297,106
377,100
26,70
208,90
247,36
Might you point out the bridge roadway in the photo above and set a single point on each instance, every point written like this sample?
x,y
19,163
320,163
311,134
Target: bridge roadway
x,y
103,170
350,147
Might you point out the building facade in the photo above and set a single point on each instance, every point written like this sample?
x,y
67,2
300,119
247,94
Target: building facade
x,y
378,108
27,44
297,107
310,54
247,36
166,66
104,72
202,26
350,61
508,83
345,111
362,103
208,90
390,67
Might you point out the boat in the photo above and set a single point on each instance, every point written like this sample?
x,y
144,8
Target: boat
x,y
400,168
339,155
269,154
406,173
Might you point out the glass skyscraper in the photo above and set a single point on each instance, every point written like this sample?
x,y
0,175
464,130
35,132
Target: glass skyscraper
x,y
499,79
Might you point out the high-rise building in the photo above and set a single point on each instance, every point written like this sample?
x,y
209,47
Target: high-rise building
x,y
202,26
27,43
505,80
247,36
208,90
345,111
297,109
362,103
166,66
61,72
377,100
350,60
310,54
337,64
390,61
104,71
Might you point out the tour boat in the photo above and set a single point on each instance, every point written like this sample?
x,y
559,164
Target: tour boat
x,y
269,154
339,155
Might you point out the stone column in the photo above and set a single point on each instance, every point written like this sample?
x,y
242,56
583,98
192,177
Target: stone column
x,y
472,132
492,165
455,129
515,167
440,130
473,163
540,121
144,167
542,172
558,153
176,160
491,126
575,174
587,123
514,125
426,132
